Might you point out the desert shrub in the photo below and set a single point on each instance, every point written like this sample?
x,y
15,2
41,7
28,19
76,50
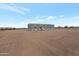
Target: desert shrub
x,y
7,29
14,28
72,27
1,29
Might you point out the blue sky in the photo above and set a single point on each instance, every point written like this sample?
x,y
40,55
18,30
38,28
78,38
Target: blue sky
x,y
20,14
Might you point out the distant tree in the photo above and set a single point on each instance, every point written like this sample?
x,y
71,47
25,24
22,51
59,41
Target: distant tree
x,y
5,28
59,27
13,28
1,29
72,27
65,26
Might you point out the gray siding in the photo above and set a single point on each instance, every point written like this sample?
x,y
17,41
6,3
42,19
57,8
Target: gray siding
x,y
40,27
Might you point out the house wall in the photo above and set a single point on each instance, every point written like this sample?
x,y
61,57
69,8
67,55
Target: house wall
x,y
40,27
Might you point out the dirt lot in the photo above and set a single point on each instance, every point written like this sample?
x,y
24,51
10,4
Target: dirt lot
x,y
57,42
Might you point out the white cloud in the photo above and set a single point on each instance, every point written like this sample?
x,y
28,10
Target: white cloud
x,y
38,19
50,18
25,9
12,7
69,21
61,16
74,18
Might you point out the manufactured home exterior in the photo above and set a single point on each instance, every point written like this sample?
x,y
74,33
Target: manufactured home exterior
x,y
40,27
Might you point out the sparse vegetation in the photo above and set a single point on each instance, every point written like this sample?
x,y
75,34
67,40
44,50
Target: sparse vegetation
x,y
71,26
66,27
59,27
7,29
58,42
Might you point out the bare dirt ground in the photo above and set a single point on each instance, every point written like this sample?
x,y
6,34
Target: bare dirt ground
x,y
57,42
